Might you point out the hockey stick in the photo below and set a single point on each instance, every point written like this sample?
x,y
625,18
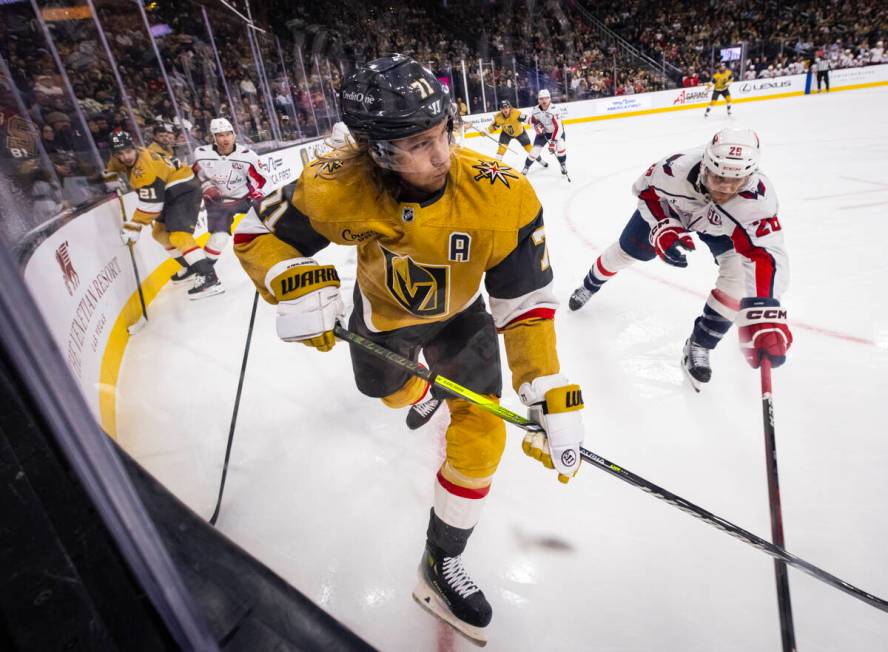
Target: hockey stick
x,y
139,325
237,397
623,474
538,159
784,605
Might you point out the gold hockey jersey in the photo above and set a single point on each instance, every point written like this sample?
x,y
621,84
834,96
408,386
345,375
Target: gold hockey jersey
x,y
155,179
513,125
421,262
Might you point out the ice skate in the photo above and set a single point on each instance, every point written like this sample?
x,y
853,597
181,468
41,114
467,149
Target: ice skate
x,y
421,413
206,283
183,275
695,364
446,590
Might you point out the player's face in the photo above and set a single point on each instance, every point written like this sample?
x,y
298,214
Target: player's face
x,y
506,111
544,103
127,156
225,142
722,189
423,160
165,138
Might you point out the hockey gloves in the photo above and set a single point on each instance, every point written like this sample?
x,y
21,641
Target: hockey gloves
x,y
763,331
129,233
309,303
666,237
210,192
552,146
555,404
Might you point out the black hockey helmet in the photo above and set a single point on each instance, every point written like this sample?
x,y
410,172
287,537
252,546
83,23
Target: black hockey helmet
x,y
392,97
505,104
121,140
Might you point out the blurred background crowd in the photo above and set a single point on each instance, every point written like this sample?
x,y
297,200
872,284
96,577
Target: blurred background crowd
x,y
72,73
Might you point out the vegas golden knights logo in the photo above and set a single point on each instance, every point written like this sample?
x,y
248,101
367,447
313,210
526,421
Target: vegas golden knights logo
x,y
574,398
422,289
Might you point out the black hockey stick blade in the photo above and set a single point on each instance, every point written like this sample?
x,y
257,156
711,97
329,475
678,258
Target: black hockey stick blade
x,y
623,474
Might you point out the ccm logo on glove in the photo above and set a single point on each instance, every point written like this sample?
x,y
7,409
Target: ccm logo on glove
x,y
766,314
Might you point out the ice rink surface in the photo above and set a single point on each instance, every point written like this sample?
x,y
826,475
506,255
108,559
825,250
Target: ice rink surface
x,y
329,488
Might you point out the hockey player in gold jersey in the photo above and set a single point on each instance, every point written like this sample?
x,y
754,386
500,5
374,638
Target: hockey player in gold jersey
x,y
168,199
721,81
430,222
511,123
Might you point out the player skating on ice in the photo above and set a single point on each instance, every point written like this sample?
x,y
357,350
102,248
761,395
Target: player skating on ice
x,y
511,123
717,192
231,182
430,221
721,85
168,200
549,132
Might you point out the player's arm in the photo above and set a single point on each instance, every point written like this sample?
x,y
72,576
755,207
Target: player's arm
x,y
275,249
668,236
494,125
256,178
523,305
209,190
762,321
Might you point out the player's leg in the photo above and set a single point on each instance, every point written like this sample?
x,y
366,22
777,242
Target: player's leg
x,y
727,95
504,139
561,152
539,142
467,351
524,140
718,313
220,217
633,246
180,216
712,101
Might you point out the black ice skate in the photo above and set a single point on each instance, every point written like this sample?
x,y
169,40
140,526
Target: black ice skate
x,y
184,274
582,294
421,413
695,364
206,283
446,590
564,172
525,170
542,162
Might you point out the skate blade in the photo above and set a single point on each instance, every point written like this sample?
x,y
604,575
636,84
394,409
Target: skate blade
x,y
696,384
429,600
209,292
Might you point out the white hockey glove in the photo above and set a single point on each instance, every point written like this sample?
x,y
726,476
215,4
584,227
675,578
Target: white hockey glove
x,y
129,233
555,404
309,303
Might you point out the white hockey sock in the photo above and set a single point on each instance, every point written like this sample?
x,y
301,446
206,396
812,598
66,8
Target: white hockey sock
x,y
216,244
459,506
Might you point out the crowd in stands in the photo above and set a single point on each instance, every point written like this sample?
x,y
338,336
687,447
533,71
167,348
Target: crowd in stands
x,y
282,84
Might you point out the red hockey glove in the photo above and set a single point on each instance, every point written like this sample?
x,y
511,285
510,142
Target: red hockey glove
x,y
552,146
666,238
212,193
763,331
255,194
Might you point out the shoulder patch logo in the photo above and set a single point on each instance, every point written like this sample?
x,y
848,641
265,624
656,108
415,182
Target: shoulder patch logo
x,y
494,171
328,166
407,214
423,290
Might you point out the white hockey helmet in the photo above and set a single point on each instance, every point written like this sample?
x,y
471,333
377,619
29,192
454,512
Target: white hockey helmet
x,y
544,92
732,153
220,126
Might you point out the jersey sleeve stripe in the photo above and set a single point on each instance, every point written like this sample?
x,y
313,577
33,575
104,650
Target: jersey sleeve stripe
x,y
652,201
765,265
256,176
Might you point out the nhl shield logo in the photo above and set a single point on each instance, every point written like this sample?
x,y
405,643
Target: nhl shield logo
x,y
63,258
423,290
407,214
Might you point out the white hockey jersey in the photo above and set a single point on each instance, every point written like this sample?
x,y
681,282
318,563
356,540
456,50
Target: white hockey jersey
x,y
234,174
549,120
671,188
